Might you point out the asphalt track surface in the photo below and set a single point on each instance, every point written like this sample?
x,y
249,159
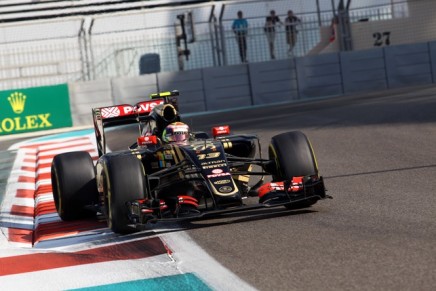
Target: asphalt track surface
x,y
377,154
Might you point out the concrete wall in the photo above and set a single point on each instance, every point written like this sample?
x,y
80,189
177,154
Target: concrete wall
x,y
227,87
319,76
86,95
131,90
408,65
415,25
263,83
190,84
363,71
273,82
432,49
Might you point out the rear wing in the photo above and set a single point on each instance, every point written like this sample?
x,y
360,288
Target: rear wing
x,y
109,116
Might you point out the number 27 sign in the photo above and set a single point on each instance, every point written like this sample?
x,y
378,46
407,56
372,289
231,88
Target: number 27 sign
x,y
382,38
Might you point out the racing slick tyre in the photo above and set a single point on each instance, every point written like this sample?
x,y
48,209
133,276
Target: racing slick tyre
x,y
74,186
123,181
294,157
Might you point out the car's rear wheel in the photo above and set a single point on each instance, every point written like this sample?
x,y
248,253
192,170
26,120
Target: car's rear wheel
x,y
73,184
123,181
294,157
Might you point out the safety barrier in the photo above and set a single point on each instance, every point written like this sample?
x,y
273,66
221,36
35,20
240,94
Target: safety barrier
x,y
223,88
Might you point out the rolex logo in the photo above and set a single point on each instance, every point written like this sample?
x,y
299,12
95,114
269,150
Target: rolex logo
x,y
17,101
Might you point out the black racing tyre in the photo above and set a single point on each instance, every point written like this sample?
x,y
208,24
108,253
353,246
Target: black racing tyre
x,y
123,180
293,156
73,184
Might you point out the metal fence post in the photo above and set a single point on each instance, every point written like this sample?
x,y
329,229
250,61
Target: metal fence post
x,y
345,27
91,51
213,37
222,35
84,56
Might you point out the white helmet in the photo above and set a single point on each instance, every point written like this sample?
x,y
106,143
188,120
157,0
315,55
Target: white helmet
x,y
176,132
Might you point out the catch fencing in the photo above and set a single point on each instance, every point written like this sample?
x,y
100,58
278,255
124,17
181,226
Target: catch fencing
x,y
166,40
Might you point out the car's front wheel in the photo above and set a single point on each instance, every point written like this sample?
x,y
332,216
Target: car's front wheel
x,y
294,157
73,185
123,180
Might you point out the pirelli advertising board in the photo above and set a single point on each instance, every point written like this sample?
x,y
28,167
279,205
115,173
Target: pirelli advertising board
x,y
34,109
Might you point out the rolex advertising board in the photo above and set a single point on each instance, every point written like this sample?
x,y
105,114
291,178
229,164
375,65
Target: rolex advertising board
x,y
33,109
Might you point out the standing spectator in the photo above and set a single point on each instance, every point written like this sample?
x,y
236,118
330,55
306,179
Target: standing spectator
x,y
333,28
291,30
240,28
270,30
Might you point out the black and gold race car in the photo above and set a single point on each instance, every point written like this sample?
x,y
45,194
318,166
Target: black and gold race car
x,y
163,177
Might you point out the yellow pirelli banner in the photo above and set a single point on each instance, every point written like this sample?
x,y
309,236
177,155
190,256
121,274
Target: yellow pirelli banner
x,y
33,109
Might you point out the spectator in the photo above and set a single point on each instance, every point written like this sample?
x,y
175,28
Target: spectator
x,y
333,28
291,30
240,28
270,31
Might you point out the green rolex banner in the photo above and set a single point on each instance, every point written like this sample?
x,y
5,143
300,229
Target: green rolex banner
x,y
33,109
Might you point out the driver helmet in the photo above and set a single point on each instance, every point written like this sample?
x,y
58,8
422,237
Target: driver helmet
x,y
176,132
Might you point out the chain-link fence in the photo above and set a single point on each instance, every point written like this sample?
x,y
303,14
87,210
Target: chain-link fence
x,y
196,36
118,42
41,53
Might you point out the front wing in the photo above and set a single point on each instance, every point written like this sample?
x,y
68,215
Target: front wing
x,y
299,189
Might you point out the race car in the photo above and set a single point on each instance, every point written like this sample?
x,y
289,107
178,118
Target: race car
x,y
171,173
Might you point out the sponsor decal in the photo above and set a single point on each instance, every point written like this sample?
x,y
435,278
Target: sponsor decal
x,y
279,186
225,189
17,101
217,171
33,109
161,159
110,112
117,111
202,147
147,106
212,162
215,166
221,182
146,140
125,110
213,155
276,186
218,175
221,130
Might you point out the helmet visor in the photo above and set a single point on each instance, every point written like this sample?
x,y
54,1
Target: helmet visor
x,y
179,136
176,132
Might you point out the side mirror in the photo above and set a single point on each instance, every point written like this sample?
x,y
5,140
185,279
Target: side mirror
x,y
220,130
